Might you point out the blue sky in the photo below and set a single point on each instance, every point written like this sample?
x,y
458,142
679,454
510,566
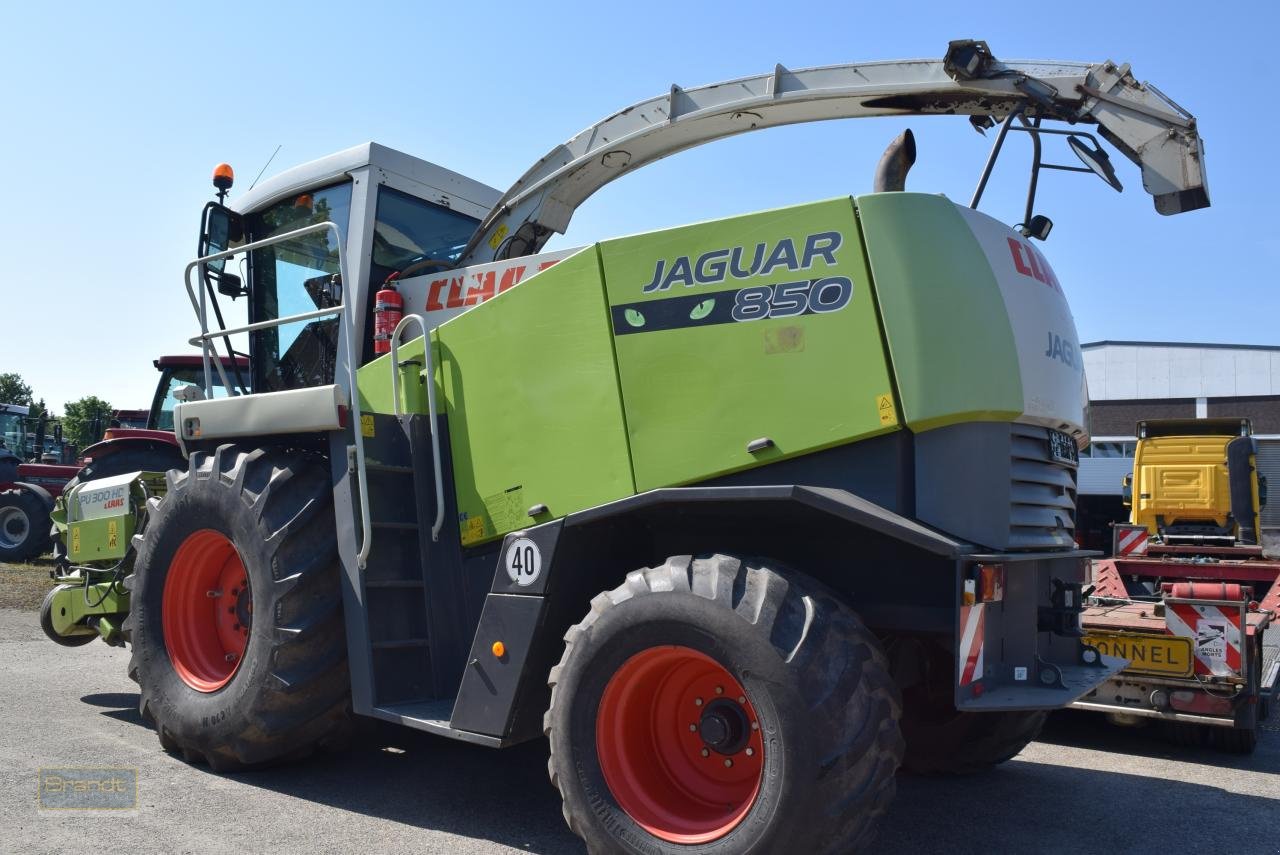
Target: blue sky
x,y
116,114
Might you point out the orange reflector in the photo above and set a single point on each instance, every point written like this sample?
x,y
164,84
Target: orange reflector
x,y
499,649
303,201
969,596
991,582
108,434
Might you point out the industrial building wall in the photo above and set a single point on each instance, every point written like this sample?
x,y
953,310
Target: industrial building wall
x,y
1120,418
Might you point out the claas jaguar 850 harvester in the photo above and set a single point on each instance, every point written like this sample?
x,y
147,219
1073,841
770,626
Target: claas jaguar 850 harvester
x,y
742,515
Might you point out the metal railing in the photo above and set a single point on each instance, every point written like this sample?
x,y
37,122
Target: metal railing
x,y
200,305
428,376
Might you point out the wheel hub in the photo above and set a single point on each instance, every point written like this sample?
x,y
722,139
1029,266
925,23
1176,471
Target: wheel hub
x,y
14,526
724,727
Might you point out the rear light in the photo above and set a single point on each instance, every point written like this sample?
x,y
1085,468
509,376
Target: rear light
x,y
1200,702
991,582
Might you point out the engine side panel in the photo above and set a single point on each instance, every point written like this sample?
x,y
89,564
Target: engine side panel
x,y
760,327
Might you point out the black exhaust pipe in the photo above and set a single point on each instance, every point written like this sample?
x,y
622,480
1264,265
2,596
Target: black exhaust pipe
x,y
895,163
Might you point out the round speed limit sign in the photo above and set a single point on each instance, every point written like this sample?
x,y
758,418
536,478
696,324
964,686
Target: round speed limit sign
x,y
524,561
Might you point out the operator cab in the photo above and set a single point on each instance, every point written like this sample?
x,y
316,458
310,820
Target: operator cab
x,y
396,213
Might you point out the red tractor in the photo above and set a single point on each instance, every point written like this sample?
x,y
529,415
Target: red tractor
x,y
27,489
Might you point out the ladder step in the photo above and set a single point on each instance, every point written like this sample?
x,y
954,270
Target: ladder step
x,y
401,643
393,583
400,526
388,467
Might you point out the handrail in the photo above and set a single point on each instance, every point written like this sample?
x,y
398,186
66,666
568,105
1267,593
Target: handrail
x,y
353,397
428,375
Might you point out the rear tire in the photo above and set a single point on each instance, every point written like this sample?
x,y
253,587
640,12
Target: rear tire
x,y
942,742
1234,740
24,519
263,521
811,676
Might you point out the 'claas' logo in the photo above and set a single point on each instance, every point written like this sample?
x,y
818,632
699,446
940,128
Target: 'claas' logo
x,y
1029,262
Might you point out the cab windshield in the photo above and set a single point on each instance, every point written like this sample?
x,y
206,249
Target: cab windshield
x,y
12,431
295,277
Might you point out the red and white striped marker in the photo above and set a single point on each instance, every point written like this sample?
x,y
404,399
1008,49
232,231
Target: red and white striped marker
x,y
973,630
1215,636
1131,540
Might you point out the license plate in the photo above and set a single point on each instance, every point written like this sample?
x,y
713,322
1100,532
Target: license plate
x,y
1166,655
1062,448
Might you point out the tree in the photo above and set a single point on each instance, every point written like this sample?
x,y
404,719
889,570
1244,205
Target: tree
x,y
13,390
77,420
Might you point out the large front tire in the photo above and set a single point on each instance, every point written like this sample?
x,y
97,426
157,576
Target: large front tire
x,y
236,621
717,705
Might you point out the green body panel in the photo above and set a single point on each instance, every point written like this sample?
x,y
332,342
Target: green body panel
x,y
100,540
534,411
677,356
70,606
948,329
374,379
696,394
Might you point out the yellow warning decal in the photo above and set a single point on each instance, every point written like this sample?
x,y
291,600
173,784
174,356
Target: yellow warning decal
x,y
366,426
113,534
498,234
888,415
472,529
75,540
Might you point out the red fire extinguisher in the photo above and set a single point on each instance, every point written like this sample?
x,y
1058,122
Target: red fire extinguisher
x,y
388,309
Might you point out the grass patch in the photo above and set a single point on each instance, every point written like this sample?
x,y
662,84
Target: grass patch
x,y
23,586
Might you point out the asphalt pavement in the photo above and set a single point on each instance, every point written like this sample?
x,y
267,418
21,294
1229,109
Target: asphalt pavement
x,y
1085,787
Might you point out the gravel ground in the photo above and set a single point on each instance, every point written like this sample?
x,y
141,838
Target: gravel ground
x,y
1085,787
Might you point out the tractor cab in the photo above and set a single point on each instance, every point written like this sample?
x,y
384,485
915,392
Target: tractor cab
x,y
382,213
13,427
181,372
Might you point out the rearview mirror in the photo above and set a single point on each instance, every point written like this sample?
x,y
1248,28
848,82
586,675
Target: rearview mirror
x,y
220,228
1096,159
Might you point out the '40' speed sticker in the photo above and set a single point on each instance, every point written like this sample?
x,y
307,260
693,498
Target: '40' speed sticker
x,y
523,561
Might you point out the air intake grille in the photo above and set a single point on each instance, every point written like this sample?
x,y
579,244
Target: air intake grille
x,y
1042,492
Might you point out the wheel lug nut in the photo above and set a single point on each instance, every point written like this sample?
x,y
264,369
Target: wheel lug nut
x,y
742,699
213,595
697,702
719,690
231,657
750,751
755,725
727,762
693,728
706,753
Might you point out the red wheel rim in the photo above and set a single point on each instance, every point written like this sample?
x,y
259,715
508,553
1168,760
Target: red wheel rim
x,y
679,744
206,611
